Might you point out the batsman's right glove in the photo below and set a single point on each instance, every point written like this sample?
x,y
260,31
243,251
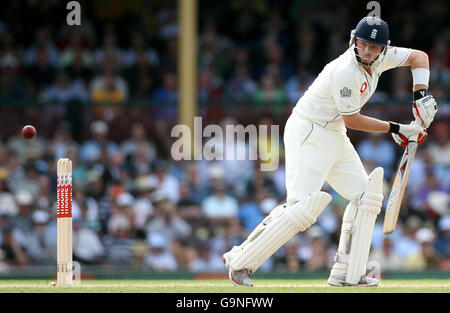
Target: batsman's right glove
x,y
403,133
424,107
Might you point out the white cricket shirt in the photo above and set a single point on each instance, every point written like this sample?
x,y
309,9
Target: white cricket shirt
x,y
343,87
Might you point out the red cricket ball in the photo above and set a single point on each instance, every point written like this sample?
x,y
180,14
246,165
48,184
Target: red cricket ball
x,y
28,131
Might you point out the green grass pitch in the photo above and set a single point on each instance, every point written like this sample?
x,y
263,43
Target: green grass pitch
x,y
223,286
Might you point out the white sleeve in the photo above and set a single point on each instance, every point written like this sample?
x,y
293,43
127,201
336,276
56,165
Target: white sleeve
x,y
345,93
395,57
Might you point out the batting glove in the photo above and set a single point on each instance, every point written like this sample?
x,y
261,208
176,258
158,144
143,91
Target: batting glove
x,y
424,107
407,133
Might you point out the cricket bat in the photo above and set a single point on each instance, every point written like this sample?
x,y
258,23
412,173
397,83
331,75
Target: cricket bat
x,y
398,187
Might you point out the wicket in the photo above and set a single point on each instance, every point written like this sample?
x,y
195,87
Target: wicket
x,y
64,222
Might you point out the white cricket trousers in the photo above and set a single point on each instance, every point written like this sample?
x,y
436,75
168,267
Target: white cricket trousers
x,y
314,154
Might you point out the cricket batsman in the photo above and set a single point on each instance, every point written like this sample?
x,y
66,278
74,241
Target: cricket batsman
x,y
317,149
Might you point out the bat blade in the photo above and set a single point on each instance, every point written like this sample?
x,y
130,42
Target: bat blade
x,y
398,189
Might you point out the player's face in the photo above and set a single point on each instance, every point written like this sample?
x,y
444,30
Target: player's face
x,y
367,51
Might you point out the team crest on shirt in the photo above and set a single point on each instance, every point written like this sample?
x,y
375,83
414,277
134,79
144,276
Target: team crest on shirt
x,y
346,93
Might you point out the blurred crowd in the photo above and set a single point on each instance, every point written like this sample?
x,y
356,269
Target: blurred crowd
x,y
132,203
271,55
132,207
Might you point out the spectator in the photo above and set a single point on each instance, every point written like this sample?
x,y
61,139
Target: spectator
x,y
167,183
169,56
210,86
318,244
188,208
184,253
168,91
141,77
26,180
329,220
140,160
207,262
439,63
42,73
109,52
297,84
63,90
108,88
14,253
269,92
377,149
241,86
85,209
79,169
40,245
141,67
274,55
159,257
24,149
87,246
139,52
124,205
214,51
442,244
418,172
407,245
167,222
91,149
114,170
427,257
43,45
420,201
119,242
144,211
166,19
138,141
289,260
22,220
62,141
8,205
220,207
44,197
76,51
78,64
261,184
228,234
12,85
250,213
9,56
439,152
306,44
386,255
197,187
